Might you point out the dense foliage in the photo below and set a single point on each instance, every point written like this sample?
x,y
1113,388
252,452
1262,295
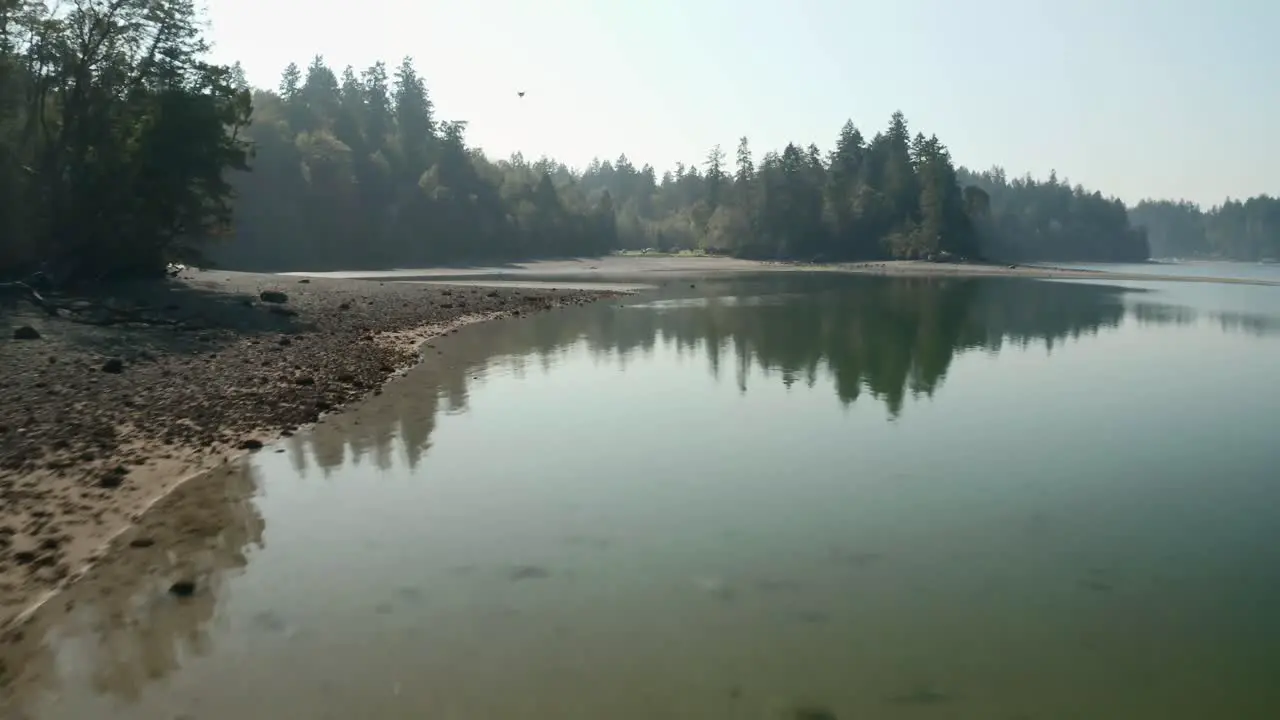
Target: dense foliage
x,y
1053,220
116,138
1235,230
357,171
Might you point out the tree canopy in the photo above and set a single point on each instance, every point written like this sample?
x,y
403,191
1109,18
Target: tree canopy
x,y
116,137
122,149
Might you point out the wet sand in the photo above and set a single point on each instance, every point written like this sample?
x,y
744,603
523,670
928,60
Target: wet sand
x,y
98,423
656,268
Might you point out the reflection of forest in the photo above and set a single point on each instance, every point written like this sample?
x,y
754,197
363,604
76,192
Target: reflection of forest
x,y
119,628
1258,325
882,337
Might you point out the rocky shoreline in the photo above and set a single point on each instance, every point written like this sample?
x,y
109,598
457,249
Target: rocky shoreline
x,y
98,421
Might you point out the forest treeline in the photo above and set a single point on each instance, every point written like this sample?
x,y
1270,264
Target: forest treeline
x,y
354,169
1234,230
122,148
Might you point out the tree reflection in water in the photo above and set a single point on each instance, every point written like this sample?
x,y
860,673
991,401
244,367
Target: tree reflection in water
x,y
886,338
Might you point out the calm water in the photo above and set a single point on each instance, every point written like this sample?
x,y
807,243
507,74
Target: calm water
x,y
993,499
1190,268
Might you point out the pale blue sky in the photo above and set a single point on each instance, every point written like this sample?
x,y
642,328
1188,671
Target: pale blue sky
x,y
1133,97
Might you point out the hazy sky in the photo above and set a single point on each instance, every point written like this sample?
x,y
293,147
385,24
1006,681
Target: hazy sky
x,y
1136,98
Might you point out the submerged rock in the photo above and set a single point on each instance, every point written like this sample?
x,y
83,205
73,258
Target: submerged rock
x,y
529,572
810,712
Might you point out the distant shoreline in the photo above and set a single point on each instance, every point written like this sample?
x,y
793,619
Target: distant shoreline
x,y
564,274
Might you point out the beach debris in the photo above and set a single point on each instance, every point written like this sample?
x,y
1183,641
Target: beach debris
x,y
25,332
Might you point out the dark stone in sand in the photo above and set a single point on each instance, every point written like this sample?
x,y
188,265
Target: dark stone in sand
x,y
273,296
114,477
26,332
251,444
142,542
114,366
183,588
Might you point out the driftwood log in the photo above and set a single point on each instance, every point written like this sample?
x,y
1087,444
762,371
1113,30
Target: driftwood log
x,y
84,311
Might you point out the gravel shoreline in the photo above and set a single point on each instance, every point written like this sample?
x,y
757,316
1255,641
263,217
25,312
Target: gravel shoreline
x,y
96,423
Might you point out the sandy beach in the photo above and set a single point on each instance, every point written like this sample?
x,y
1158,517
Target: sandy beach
x,y
100,422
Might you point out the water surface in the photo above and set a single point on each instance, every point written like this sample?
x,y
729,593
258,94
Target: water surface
x,y
1268,272
890,498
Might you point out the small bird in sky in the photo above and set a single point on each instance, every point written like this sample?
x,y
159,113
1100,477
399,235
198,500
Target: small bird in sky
x,y
521,93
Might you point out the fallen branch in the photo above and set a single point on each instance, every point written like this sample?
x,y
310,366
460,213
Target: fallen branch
x,y
83,311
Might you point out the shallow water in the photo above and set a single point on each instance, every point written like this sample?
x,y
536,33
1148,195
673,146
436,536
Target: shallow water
x,y
1269,272
891,498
